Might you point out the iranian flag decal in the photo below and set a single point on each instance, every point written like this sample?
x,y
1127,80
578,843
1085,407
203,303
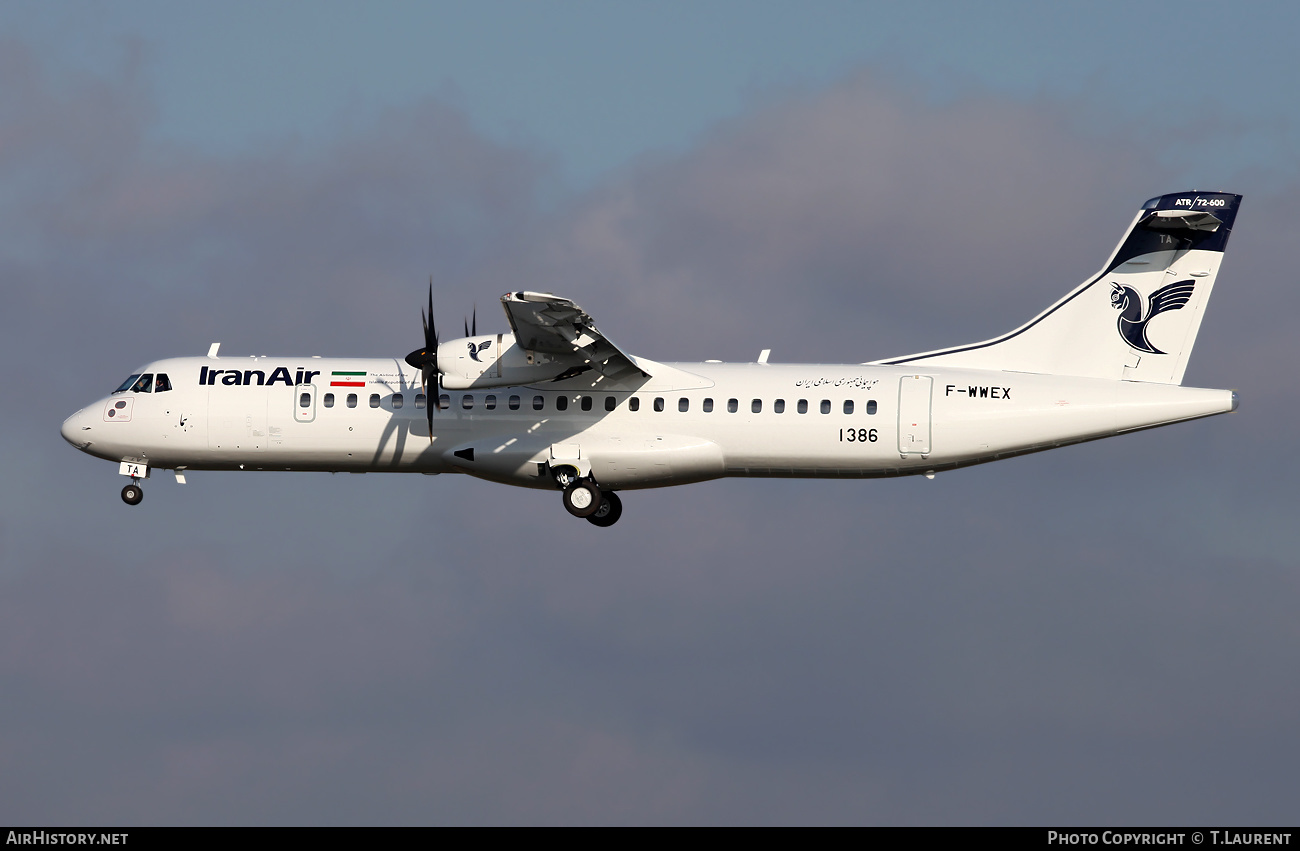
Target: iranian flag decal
x,y
347,379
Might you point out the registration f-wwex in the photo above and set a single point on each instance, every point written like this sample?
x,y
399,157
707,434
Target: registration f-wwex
x,y
555,405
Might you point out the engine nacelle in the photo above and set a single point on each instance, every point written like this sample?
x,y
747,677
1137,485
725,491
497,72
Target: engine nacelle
x,y
492,361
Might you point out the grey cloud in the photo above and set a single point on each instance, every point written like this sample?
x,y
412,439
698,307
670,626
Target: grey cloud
x,y
266,250
878,224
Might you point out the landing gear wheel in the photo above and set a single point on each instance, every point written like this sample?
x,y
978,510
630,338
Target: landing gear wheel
x,y
582,498
132,494
611,508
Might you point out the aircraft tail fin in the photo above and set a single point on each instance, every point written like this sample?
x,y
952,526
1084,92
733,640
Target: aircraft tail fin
x,y
1135,320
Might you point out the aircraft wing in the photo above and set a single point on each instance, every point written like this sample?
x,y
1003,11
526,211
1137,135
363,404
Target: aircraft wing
x,y
557,327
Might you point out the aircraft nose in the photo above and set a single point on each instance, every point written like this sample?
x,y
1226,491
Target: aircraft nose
x,y
76,429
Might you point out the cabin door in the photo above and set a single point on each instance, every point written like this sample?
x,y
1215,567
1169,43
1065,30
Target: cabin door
x,y
237,419
914,414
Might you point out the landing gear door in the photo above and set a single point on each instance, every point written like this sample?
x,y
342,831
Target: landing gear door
x,y
914,414
304,403
569,455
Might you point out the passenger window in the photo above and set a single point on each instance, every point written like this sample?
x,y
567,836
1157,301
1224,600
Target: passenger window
x,y
304,400
778,407
514,403
848,406
871,407
419,400
683,404
732,406
708,406
659,404
634,404
144,385
162,384
398,401
826,406
352,400
586,403
444,402
610,403
467,402
756,406
561,403
538,402
490,403
329,400
374,400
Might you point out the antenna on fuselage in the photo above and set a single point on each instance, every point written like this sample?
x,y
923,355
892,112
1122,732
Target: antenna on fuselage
x,y
212,350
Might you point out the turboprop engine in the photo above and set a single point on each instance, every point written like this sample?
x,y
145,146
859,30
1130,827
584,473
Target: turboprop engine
x,y
492,361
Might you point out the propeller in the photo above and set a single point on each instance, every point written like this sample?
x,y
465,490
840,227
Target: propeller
x,y
426,360
472,330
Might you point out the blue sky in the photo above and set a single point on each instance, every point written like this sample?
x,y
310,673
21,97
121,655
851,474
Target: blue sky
x,y
597,85
1101,634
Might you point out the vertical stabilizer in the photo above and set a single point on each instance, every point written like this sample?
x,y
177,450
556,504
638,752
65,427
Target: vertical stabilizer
x,y
1135,320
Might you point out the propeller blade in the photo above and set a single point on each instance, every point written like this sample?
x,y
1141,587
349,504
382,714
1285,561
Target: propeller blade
x,y
426,360
430,399
431,330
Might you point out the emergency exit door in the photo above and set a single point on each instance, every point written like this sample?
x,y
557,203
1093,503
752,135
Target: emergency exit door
x,y
304,408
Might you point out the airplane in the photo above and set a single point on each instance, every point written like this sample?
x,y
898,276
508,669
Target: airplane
x,y
555,405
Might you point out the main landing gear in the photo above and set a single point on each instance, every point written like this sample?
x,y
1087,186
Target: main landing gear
x,y
611,508
584,498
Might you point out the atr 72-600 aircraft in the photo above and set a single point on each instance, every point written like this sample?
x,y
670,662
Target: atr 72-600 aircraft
x,y
555,405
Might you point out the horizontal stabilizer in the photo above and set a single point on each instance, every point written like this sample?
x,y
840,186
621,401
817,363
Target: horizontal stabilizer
x,y
1182,220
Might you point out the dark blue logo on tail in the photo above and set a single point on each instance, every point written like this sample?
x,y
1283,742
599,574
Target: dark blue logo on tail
x,y
1133,322
475,350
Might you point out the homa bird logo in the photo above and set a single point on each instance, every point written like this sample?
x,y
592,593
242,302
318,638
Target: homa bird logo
x,y
481,347
1133,322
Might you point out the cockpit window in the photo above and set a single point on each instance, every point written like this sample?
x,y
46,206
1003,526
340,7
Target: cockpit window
x,y
161,384
126,385
144,385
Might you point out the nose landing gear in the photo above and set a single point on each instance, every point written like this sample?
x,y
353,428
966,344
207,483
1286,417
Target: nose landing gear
x,y
132,494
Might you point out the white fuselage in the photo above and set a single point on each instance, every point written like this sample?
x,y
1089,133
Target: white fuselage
x,y
689,422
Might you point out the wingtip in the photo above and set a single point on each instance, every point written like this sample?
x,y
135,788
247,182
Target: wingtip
x,y
1235,401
